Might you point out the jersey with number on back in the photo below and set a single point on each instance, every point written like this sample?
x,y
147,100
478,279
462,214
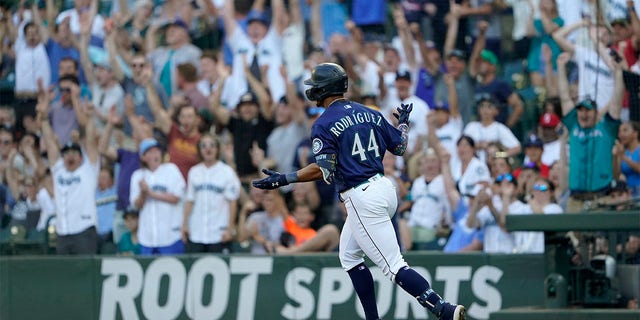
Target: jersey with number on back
x,y
358,136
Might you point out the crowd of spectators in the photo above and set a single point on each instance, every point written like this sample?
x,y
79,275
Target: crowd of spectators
x,y
142,123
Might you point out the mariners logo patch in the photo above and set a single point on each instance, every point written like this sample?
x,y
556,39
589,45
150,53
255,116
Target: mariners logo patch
x,y
317,145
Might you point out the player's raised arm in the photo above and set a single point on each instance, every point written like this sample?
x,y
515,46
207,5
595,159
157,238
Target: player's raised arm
x,y
403,125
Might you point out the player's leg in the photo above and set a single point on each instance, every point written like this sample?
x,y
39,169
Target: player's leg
x,y
369,212
352,260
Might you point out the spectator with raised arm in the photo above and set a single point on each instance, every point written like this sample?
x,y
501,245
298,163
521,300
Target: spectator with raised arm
x,y
590,167
66,114
542,23
75,172
259,45
483,66
628,155
178,50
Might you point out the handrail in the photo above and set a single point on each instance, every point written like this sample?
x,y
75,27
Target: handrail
x,y
591,221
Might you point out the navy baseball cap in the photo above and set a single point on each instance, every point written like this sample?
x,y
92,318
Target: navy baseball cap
x,y
458,54
179,23
440,106
70,146
405,75
533,141
247,98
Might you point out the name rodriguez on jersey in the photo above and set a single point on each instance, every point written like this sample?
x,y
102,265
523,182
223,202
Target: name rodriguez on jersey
x,y
356,118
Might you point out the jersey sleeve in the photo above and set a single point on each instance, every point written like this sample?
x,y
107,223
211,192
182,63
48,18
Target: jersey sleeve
x,y
232,190
134,186
191,193
507,138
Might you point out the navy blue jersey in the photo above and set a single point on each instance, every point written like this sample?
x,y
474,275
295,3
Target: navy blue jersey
x,y
358,136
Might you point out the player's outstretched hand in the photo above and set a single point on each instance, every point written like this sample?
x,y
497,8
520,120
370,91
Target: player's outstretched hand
x,y
273,181
403,113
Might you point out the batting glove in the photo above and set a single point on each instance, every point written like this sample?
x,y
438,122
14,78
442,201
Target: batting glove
x,y
403,113
273,181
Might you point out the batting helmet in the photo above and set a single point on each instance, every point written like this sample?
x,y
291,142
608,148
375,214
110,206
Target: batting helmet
x,y
327,79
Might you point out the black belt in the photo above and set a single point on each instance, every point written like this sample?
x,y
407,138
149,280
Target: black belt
x,y
589,195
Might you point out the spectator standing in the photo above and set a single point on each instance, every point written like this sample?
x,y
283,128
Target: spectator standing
x,y
533,150
76,15
489,130
66,113
178,50
106,198
483,66
211,201
590,168
259,46
542,22
212,77
470,172
418,117
156,191
75,181
32,63
628,162
181,129
549,131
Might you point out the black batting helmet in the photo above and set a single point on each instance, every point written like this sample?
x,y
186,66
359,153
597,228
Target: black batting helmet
x,y
327,79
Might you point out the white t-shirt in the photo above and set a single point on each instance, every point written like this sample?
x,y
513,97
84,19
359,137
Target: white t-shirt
x,y
369,78
205,87
468,180
551,152
75,194
97,29
31,64
269,53
449,135
533,242
430,203
495,132
495,239
160,222
594,72
282,143
211,190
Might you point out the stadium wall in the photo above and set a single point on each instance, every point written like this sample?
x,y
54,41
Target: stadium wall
x,y
252,287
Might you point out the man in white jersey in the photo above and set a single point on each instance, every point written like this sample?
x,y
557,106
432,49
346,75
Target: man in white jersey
x,y
75,179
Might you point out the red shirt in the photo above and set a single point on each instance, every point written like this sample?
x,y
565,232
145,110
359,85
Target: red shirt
x,y
183,150
544,171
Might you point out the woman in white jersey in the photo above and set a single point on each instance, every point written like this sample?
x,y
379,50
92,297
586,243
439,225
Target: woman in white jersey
x,y
157,190
469,172
211,201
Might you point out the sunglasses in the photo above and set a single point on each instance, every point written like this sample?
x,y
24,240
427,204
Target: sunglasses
x,y
540,187
207,145
503,177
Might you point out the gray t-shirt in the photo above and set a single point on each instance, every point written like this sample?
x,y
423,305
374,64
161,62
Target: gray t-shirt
x,y
466,90
139,94
269,227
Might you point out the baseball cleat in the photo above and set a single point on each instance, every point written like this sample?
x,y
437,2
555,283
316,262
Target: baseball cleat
x,y
460,313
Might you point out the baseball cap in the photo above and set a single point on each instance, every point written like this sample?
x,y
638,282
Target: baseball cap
x,y
549,120
489,56
485,97
458,54
69,146
533,141
440,106
148,144
258,17
587,103
620,21
130,212
179,23
406,75
247,98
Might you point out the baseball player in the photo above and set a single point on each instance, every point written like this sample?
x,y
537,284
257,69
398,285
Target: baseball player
x,y
349,141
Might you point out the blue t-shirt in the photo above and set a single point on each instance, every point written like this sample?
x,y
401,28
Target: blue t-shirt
x,y
358,136
633,178
56,53
106,206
